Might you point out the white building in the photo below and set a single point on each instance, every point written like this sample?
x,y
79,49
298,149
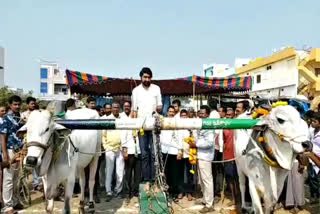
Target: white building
x,y
52,82
240,62
285,73
223,70
2,66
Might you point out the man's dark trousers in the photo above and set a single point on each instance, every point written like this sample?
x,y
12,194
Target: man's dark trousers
x,y
147,156
132,167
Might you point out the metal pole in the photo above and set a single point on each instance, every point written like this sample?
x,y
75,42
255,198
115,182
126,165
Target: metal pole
x,y
166,123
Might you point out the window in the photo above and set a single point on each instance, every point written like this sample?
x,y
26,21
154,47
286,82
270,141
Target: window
x,y
44,73
60,89
208,71
317,71
56,72
269,67
43,88
259,78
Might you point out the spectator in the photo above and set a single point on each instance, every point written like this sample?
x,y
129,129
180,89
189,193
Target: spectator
x,y
222,112
100,110
205,146
191,113
70,105
107,109
189,178
313,169
3,111
217,168
126,109
31,103
131,154
177,105
214,113
91,103
111,141
230,167
172,153
11,144
242,107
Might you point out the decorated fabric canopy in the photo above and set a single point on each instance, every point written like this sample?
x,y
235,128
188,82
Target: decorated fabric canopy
x,y
84,83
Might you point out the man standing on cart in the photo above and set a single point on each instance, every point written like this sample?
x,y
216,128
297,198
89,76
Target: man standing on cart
x,y
146,99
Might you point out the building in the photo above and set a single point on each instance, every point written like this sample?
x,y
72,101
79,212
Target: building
x,y
288,72
217,70
17,91
223,70
52,82
2,66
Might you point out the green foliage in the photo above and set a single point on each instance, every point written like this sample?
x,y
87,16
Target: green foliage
x,y
6,93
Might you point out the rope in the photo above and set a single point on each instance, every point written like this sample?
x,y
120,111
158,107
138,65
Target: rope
x,y
90,153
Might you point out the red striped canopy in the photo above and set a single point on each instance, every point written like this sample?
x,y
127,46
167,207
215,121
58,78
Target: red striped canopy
x,y
224,82
76,77
84,83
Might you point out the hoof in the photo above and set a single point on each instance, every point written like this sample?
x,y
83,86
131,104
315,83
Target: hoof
x,y
91,205
91,209
81,210
81,204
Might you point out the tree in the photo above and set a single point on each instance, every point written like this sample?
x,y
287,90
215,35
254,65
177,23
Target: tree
x,y
6,93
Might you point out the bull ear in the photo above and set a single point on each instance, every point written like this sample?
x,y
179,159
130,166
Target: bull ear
x,y
22,131
61,129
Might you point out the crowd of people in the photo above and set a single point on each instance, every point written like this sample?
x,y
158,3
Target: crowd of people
x,y
128,155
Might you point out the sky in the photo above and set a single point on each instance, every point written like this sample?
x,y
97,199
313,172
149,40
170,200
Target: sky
x,y
116,38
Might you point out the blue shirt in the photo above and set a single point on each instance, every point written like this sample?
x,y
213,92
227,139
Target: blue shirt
x,y
10,126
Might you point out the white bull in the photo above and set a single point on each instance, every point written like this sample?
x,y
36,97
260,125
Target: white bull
x,y
60,158
287,135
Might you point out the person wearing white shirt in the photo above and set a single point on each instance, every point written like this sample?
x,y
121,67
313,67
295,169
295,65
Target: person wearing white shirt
x,y
313,169
31,103
131,155
126,110
205,152
146,99
172,153
217,168
189,186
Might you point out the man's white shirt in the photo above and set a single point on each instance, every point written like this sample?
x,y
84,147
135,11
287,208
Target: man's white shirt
x,y
145,101
128,140
170,142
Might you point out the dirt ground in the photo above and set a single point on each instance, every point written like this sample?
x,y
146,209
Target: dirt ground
x,y
119,206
